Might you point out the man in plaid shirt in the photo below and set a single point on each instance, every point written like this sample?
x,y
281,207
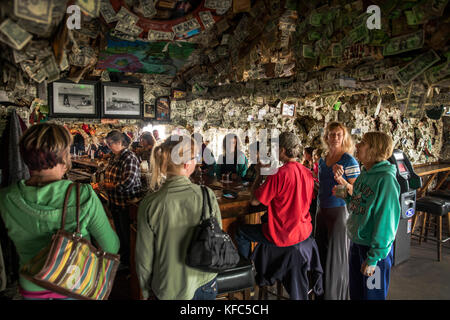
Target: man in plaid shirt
x,y
122,183
124,173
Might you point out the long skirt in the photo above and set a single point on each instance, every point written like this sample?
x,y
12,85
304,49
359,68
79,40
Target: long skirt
x,y
333,243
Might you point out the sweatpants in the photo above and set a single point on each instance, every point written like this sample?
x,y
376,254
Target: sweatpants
x,y
368,288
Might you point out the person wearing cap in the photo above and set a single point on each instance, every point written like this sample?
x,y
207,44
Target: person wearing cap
x,y
287,193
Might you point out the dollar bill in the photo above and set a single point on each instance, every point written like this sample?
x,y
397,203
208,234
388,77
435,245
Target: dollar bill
x,y
39,11
51,68
308,51
148,8
154,35
126,16
416,67
415,102
122,36
434,74
404,43
186,28
127,28
221,6
34,70
15,34
315,18
336,50
207,19
64,65
358,34
107,11
90,7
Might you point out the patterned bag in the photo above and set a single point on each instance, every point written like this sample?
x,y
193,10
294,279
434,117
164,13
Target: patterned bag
x,y
71,265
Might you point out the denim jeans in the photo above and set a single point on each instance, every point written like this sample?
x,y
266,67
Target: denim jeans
x,y
247,234
207,291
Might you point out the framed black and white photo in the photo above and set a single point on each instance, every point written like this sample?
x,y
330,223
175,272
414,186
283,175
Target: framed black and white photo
x,y
121,100
163,109
73,100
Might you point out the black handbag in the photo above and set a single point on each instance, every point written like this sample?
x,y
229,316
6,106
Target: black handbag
x,y
211,248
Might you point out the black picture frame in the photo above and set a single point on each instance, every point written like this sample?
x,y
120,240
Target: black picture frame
x,y
162,108
149,111
68,99
130,95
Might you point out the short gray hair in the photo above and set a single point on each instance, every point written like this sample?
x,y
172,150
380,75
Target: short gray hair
x,y
291,143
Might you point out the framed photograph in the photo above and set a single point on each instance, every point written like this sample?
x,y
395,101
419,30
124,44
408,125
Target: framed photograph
x,y
149,111
163,109
121,101
288,110
73,100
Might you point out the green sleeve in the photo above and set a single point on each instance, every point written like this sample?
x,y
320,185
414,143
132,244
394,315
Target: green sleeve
x,y
99,226
144,251
386,216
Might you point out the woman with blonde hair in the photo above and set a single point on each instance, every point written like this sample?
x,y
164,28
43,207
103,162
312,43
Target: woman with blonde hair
x,y
31,209
166,222
330,231
374,213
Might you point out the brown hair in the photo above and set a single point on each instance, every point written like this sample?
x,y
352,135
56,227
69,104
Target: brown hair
x,y
44,145
380,145
148,137
162,162
347,142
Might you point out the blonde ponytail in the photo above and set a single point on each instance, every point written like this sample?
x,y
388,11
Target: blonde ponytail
x,y
161,163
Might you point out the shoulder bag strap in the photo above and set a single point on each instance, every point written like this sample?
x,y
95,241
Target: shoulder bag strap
x,y
66,199
205,201
78,207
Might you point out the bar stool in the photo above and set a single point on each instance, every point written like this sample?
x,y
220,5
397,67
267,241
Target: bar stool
x,y
443,194
435,207
240,278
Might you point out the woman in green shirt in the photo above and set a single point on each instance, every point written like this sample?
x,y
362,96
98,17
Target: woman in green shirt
x,y
233,161
166,222
31,209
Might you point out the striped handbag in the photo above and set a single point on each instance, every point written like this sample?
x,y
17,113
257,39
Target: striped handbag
x,y
71,265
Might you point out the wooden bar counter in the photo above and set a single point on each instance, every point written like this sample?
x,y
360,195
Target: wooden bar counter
x,y
432,170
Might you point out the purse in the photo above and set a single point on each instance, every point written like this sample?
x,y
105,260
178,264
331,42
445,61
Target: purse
x,y
71,265
211,248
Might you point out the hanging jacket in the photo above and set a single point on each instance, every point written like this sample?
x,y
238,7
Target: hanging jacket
x,y
297,267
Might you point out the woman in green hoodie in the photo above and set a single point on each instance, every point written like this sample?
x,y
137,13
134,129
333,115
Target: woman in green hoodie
x,y
31,209
374,207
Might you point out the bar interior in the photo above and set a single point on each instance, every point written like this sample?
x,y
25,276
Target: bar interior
x,y
297,86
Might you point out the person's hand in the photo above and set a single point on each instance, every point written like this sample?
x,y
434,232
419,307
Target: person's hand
x,y
366,270
338,170
340,180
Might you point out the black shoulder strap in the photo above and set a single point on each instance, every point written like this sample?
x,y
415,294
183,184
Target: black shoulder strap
x,y
206,203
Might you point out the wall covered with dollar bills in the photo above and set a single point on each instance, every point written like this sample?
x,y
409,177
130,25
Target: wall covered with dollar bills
x,y
239,61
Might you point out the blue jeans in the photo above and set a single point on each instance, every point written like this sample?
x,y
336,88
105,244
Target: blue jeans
x,y
363,287
247,234
207,291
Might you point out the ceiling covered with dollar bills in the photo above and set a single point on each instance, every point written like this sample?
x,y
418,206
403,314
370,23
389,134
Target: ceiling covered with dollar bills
x,y
247,55
320,47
